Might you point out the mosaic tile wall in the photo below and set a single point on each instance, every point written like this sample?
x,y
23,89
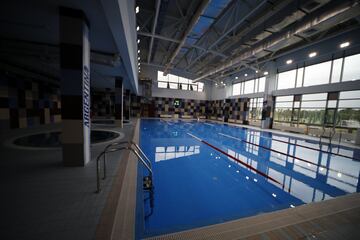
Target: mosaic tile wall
x,y
27,103
267,112
236,109
102,103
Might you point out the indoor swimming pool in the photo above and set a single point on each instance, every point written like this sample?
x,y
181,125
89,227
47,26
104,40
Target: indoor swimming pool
x,y
207,173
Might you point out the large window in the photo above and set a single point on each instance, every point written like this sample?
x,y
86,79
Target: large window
x,y
313,109
255,108
250,86
351,68
283,108
349,109
317,74
175,82
341,109
338,70
287,79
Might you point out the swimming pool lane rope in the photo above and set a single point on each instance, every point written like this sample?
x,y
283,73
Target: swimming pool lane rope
x,y
238,160
298,158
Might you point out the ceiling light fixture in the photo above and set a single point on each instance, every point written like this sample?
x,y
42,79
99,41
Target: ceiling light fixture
x,y
266,73
289,61
256,71
138,40
313,54
137,9
139,51
236,77
344,44
245,74
137,28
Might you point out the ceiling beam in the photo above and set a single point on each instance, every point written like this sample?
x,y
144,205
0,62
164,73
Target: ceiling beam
x,y
193,22
342,12
230,29
158,3
157,36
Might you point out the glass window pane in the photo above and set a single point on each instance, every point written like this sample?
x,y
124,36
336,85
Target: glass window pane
x,y
285,98
329,116
262,84
161,77
162,85
336,71
286,79
348,118
283,114
296,104
351,68
295,114
236,89
256,85
316,96
313,104
173,86
249,87
183,80
184,86
200,86
331,104
284,104
317,74
349,103
173,78
349,94
312,116
299,77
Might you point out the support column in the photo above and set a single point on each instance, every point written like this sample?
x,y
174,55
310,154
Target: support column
x,y
269,100
75,86
119,108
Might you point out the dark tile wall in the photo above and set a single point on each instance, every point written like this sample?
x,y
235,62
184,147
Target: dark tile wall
x,y
27,103
236,109
102,103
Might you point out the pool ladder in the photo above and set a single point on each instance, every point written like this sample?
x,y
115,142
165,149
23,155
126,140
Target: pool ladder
x,y
132,146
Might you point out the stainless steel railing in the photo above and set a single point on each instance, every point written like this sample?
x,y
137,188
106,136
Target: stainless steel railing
x,y
119,146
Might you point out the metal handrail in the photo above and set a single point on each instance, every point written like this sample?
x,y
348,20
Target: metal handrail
x,y
131,143
108,149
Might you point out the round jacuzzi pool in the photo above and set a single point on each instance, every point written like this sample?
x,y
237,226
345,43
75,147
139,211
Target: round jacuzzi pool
x,y
52,139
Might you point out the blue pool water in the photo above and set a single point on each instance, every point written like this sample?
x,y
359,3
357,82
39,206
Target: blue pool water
x,y
198,182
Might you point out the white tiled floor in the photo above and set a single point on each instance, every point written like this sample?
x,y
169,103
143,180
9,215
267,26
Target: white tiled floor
x,y
41,199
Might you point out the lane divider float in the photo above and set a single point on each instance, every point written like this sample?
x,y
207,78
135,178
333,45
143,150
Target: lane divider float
x,y
237,160
292,156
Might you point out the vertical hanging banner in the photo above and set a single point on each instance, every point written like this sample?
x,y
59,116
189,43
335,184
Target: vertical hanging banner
x,y
86,94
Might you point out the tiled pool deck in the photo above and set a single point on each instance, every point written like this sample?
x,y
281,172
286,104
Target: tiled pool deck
x,y
337,218
41,199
